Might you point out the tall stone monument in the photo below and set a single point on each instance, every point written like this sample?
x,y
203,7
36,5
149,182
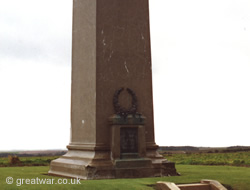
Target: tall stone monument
x,y
112,127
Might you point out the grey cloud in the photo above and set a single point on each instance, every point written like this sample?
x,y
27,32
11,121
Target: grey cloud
x,y
33,34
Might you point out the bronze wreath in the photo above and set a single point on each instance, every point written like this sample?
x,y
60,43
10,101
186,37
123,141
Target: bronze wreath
x,y
119,110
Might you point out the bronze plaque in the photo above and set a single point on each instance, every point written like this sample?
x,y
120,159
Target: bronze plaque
x,y
129,140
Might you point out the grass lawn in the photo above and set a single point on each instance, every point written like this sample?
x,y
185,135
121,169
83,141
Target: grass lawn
x,y
236,177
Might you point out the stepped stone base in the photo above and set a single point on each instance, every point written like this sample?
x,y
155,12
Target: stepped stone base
x,y
98,165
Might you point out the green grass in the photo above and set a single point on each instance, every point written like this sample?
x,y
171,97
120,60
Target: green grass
x,y
233,159
236,177
189,165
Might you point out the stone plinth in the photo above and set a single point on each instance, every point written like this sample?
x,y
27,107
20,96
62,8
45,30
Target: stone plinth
x,y
134,126
111,49
129,151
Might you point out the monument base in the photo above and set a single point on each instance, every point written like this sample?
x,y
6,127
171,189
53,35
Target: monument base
x,y
127,156
97,164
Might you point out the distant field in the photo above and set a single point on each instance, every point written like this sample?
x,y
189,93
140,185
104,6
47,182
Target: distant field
x,y
236,178
232,159
28,161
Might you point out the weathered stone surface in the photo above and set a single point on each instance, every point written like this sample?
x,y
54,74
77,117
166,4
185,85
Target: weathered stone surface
x,y
213,184
204,185
162,185
111,50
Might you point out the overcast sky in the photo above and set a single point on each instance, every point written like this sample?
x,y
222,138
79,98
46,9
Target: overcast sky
x,y
201,72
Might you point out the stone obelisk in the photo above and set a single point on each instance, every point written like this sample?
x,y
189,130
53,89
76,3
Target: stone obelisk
x,y
111,64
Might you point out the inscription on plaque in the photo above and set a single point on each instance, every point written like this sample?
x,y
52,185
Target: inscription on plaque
x,y
129,140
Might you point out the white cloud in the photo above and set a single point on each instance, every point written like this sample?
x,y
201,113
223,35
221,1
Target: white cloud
x,y
201,56
35,106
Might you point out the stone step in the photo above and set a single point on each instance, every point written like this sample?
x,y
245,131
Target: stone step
x,y
133,163
198,186
204,185
129,155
